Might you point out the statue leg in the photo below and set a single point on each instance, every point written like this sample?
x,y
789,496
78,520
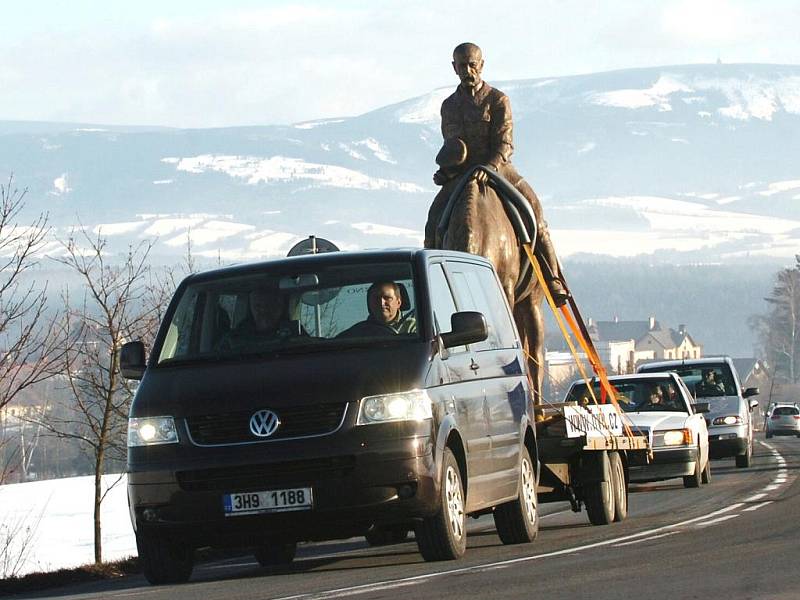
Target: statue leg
x,y
543,248
529,318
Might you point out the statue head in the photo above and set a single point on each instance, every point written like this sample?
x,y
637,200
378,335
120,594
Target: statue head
x,y
468,64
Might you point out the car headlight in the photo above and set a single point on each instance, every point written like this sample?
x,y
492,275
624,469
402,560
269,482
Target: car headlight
x,y
728,420
405,406
149,431
678,437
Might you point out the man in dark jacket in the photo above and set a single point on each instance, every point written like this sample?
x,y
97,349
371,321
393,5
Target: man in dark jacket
x,y
480,116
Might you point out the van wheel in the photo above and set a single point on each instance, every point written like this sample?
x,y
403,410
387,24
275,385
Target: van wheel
x,y
706,476
380,535
620,487
275,555
599,495
164,560
517,522
743,460
444,535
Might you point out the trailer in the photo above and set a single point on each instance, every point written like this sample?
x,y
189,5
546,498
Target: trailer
x,y
584,452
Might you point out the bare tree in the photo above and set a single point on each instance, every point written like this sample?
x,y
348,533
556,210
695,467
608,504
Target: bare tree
x,y
28,344
779,329
116,306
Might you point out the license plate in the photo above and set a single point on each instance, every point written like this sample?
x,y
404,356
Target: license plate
x,y
248,503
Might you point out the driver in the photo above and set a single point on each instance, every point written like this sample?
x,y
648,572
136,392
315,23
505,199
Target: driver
x,y
384,300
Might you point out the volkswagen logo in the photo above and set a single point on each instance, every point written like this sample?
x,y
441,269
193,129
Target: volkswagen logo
x,y
264,423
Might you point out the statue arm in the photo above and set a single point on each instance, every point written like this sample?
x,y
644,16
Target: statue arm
x,y
502,140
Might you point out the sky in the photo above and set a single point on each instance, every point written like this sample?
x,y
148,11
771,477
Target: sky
x,y
203,63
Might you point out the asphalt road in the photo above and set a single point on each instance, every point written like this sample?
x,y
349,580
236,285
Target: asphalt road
x,y
735,538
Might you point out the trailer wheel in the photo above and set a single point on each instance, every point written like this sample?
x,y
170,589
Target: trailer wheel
x,y
620,487
517,522
599,495
444,535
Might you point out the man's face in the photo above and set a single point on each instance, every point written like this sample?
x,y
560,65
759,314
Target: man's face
x,y
468,65
266,309
384,303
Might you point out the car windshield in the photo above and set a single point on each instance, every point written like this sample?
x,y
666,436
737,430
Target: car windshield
x,y
311,310
636,395
705,381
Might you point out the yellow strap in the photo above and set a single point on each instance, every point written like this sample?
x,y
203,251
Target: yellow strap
x,y
586,345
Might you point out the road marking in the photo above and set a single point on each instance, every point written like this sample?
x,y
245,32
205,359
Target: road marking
x,y
653,537
754,498
395,583
757,506
705,524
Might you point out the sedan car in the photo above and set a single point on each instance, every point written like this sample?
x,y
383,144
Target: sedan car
x,y
784,419
658,405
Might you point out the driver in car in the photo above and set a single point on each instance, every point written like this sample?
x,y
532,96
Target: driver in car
x,y
385,317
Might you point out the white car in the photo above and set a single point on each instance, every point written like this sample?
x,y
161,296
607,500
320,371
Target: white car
x,y
660,406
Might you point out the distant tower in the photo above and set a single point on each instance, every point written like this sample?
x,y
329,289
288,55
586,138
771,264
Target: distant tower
x,y
719,60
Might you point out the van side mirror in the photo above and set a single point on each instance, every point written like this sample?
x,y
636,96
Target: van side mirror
x,y
132,360
466,327
701,407
750,392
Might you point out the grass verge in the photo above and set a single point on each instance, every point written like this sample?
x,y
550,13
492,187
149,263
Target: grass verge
x,y
41,581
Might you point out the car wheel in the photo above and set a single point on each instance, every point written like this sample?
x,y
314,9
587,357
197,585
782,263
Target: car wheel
x,y
443,536
693,480
379,535
599,495
275,555
164,560
744,460
620,487
706,476
517,522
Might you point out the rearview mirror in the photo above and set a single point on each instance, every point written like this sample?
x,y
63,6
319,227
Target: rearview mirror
x,y
467,327
132,360
753,391
701,407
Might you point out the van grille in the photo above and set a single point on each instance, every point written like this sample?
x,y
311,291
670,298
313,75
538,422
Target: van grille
x,y
296,421
259,477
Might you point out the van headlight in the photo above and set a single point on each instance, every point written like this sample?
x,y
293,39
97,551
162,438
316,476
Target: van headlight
x,y
149,431
729,420
405,406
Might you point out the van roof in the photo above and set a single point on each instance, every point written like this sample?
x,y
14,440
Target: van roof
x,y
339,257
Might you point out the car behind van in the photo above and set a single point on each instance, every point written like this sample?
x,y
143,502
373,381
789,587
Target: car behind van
x,y
331,423
714,380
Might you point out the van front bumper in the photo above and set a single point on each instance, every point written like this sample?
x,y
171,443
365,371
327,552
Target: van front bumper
x,y
394,485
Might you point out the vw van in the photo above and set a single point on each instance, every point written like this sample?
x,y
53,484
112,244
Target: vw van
x,y
332,424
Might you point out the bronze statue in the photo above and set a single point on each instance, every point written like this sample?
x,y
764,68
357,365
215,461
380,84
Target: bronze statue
x,y
480,116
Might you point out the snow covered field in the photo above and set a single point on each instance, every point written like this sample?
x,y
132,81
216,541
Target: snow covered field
x,y
58,515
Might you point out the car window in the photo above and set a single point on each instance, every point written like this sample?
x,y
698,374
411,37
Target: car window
x,y
442,302
785,411
477,289
703,381
643,395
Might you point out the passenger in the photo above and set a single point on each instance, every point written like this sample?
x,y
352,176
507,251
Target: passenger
x,y
384,300
267,321
656,399
709,386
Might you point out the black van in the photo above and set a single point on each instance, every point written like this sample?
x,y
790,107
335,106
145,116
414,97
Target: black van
x,y
334,421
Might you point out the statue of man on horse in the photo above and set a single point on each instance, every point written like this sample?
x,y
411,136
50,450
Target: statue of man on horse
x,y
480,116
485,206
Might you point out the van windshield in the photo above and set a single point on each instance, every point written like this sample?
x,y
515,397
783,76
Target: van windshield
x,y
292,311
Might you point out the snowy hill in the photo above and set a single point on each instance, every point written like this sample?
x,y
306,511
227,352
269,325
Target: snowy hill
x,y
694,163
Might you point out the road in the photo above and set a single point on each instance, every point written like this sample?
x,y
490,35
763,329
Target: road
x,y
735,538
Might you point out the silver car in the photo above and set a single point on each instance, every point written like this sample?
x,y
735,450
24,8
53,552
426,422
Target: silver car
x,y
784,419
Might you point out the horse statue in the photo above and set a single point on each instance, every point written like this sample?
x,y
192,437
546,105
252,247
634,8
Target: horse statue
x,y
494,220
